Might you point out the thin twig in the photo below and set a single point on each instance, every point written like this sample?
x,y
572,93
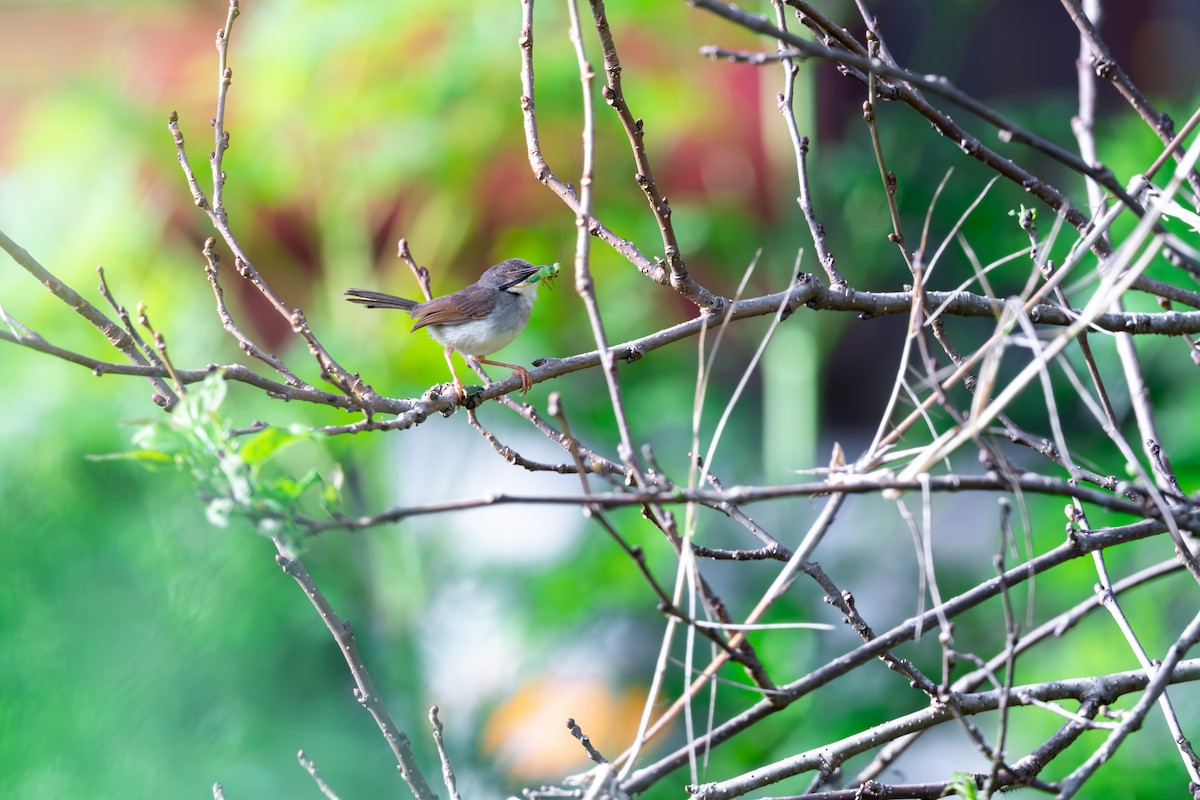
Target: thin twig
x,y
212,262
447,769
656,270
311,768
364,397
1113,685
1076,547
364,688
614,95
114,333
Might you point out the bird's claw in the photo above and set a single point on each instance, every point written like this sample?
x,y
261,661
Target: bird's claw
x,y
526,380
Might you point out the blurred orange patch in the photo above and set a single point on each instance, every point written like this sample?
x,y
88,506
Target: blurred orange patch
x,y
528,732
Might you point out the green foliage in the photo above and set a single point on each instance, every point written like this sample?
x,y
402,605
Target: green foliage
x,y
963,785
228,467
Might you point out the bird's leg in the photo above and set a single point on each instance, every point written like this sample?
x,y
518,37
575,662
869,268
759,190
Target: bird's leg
x,y
458,386
526,378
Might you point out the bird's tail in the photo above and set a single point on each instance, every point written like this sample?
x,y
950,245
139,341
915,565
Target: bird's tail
x,y
379,300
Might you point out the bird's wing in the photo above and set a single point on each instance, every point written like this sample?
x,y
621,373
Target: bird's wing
x,y
464,305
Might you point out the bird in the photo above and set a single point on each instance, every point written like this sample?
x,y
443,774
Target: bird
x,y
477,320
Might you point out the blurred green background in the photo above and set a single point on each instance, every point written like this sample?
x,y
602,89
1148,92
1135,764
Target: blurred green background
x,y
148,653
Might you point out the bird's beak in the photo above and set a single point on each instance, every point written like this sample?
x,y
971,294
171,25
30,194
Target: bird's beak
x,y
526,275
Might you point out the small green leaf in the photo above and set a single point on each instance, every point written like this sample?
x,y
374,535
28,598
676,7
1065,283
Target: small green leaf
x,y
962,785
331,490
160,437
258,447
150,458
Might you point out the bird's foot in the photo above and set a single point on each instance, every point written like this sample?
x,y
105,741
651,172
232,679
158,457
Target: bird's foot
x,y
526,379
